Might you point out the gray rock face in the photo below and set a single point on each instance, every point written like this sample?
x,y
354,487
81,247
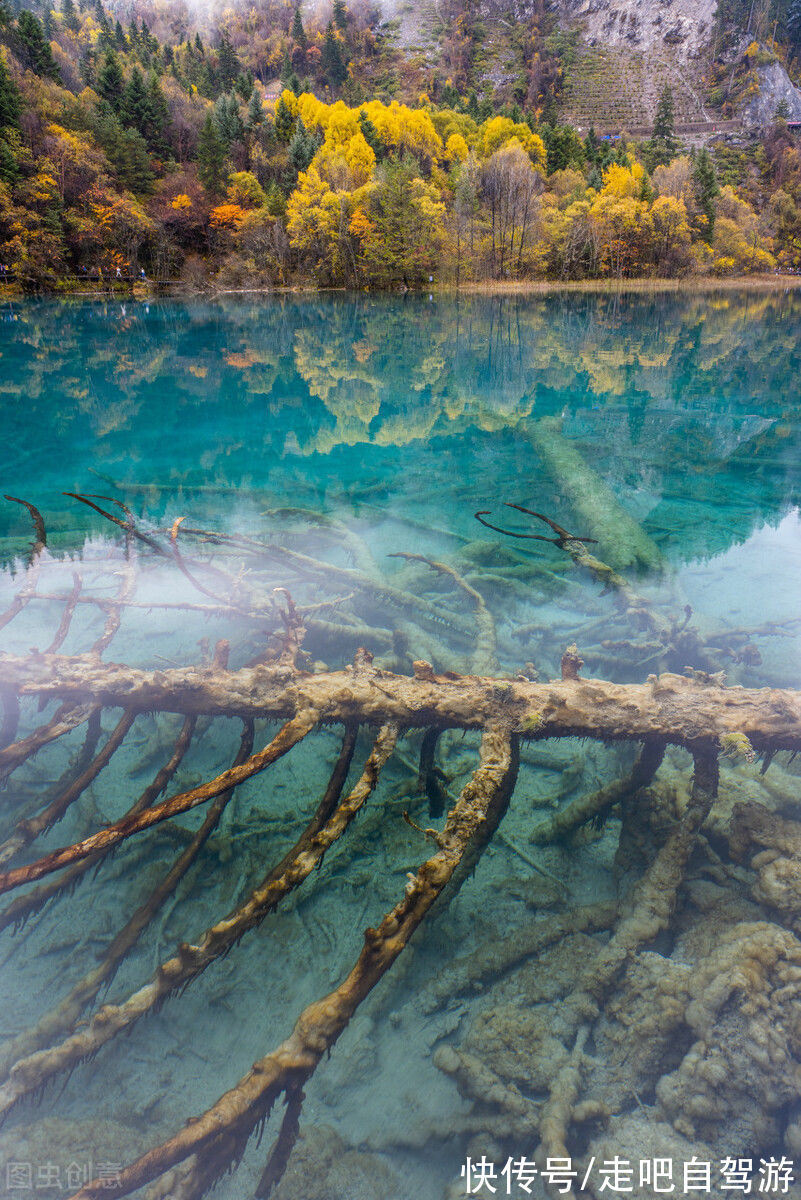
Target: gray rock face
x,y
677,28
774,87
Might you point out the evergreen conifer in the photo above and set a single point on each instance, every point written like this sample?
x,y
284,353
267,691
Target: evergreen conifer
x,y
705,186
109,80
299,33
332,60
10,100
210,157
35,46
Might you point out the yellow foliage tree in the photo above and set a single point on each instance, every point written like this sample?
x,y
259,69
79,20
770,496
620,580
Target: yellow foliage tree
x,y
245,190
456,148
499,131
622,229
623,181
227,216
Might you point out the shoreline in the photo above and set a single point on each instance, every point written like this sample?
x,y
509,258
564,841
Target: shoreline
x,y
512,287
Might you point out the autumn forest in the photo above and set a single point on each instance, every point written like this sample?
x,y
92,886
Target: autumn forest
x,y
278,146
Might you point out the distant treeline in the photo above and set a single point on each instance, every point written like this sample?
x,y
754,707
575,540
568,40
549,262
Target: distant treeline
x,y
278,149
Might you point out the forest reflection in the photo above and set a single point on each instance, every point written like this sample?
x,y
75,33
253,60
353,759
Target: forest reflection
x,y
684,405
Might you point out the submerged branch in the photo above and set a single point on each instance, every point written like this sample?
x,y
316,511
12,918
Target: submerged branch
x,y
220,1134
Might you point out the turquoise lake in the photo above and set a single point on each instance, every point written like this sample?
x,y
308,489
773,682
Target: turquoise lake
x,y
338,431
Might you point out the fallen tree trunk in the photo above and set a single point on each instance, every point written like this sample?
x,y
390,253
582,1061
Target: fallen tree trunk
x,y
674,709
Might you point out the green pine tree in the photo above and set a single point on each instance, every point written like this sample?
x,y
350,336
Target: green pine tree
x,y
125,149
133,105
35,46
255,115
10,99
211,157
371,136
244,85
227,120
70,15
207,82
86,68
592,148
284,121
705,187
157,118
228,65
299,33
663,145
332,59
110,80
302,147
340,15
9,167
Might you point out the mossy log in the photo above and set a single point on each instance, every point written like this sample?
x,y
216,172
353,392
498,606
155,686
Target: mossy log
x,y
623,541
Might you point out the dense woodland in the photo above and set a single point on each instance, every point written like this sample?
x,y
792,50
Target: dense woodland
x,y
283,146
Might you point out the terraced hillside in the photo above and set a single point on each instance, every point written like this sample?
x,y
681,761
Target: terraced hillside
x,y
616,88
498,56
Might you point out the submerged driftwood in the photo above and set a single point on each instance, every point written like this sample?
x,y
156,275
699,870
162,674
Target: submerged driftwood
x,y
695,711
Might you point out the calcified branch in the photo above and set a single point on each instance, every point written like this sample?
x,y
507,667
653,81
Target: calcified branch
x,y
25,593
115,609
558,1109
64,1017
430,779
8,729
652,906
21,908
595,804
66,719
485,656
218,1136
29,829
38,524
328,824
291,733
679,643
128,525
576,547
655,895
279,1155
673,708
66,616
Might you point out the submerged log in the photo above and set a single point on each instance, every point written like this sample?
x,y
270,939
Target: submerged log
x,y
695,711
675,709
623,541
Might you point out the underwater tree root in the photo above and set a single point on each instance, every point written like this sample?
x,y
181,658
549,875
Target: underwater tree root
x,y
220,1134
23,906
65,1016
29,1073
695,712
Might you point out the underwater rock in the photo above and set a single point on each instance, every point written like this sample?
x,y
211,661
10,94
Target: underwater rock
x,y
324,1167
734,1084
58,1155
637,1138
518,1044
778,864
638,1037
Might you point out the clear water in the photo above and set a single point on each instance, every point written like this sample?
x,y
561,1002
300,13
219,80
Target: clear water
x,y
349,429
